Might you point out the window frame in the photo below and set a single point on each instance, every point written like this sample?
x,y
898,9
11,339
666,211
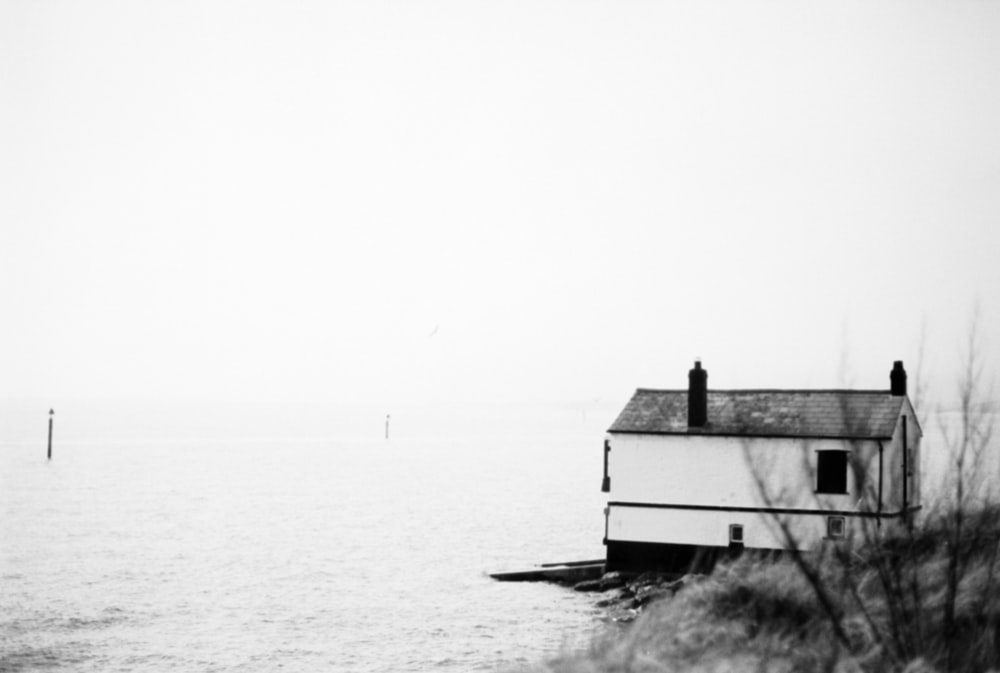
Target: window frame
x,y
831,522
736,528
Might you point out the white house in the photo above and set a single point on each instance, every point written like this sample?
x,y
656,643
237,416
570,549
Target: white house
x,y
694,473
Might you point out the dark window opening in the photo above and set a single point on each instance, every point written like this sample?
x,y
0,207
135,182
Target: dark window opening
x,y
831,472
736,534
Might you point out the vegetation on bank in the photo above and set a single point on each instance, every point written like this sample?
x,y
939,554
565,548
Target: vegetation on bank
x,y
890,607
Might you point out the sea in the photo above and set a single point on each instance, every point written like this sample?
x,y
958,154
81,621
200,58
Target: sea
x,y
205,538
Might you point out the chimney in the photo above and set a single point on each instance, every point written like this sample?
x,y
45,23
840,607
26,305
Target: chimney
x,y
697,396
897,379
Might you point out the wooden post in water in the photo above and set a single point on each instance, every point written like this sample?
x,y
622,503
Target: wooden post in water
x,y
51,414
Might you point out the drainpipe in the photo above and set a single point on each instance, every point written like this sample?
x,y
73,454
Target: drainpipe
x,y
606,483
906,501
880,451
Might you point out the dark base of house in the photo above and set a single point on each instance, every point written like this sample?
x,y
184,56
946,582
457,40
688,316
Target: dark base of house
x,y
672,558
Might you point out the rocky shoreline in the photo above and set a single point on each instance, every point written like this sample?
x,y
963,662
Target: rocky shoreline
x,y
625,595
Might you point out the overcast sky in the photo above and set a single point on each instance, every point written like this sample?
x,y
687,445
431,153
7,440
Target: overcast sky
x,y
498,201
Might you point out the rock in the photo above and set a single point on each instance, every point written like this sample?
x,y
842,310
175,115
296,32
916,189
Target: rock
x,y
588,585
618,598
612,580
626,595
607,581
653,592
684,581
650,579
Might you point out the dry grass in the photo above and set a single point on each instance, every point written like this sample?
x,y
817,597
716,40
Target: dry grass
x,y
891,602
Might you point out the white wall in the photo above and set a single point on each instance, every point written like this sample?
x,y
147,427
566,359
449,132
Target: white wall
x,y
712,471
728,471
711,528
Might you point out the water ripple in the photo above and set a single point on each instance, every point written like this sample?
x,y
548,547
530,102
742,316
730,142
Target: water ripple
x,y
305,556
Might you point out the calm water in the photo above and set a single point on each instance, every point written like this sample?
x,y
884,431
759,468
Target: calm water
x,y
312,555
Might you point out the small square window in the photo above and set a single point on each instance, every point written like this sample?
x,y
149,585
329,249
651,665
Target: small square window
x,y
836,527
736,533
831,471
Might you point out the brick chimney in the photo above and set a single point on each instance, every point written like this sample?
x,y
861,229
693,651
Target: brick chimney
x,y
697,396
897,379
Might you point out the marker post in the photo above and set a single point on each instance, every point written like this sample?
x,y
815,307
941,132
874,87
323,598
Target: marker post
x,y
52,413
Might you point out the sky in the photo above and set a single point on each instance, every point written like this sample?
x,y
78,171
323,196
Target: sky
x,y
486,203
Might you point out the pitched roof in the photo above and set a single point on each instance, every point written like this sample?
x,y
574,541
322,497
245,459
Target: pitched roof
x,y
840,414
